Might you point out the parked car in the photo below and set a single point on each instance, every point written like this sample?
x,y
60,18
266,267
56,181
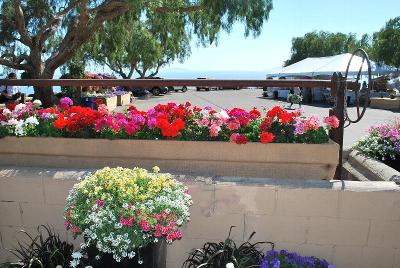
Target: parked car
x,y
232,88
177,88
156,91
206,88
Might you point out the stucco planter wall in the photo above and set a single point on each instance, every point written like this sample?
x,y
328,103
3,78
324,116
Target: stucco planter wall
x,y
350,223
300,161
386,103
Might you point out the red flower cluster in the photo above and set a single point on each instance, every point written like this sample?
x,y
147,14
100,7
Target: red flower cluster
x,y
282,115
75,118
170,129
266,137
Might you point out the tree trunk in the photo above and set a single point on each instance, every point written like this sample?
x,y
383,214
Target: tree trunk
x,y
44,94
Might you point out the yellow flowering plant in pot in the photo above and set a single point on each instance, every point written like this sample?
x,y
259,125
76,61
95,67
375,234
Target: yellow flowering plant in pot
x,y
125,216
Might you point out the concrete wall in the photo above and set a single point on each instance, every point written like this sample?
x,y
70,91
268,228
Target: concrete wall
x,y
352,224
385,103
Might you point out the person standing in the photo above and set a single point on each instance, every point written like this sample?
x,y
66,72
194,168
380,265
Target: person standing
x,y
11,93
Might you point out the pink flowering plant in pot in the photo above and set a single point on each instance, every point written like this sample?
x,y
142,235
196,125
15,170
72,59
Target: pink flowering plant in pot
x,y
120,212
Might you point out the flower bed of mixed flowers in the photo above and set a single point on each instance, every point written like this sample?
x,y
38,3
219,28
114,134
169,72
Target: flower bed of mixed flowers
x,y
120,211
170,121
382,142
285,259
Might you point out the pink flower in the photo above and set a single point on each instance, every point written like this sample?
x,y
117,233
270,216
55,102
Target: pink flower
x,y
203,121
131,128
299,126
238,138
74,229
144,224
99,203
127,222
311,123
65,102
174,235
214,130
233,124
103,109
332,121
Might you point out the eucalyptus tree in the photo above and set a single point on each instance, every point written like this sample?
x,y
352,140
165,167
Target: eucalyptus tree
x,y
39,36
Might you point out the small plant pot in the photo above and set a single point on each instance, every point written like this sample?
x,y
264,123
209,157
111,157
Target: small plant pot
x,y
152,256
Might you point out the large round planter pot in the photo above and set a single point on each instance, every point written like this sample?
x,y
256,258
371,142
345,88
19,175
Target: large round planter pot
x,y
153,256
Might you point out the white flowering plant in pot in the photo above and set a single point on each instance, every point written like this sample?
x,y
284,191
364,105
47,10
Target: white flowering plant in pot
x,y
121,211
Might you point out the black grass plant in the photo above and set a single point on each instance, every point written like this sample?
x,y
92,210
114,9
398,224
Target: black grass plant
x,y
218,255
45,250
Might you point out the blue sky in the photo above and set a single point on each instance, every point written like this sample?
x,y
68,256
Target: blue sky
x,y
288,19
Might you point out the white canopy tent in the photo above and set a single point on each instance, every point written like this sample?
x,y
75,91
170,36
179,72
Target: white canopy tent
x,y
311,67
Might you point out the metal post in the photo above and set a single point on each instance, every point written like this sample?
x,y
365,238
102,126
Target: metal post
x,y
338,91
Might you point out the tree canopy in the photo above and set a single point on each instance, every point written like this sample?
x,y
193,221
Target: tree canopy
x,y
127,45
39,36
321,44
386,43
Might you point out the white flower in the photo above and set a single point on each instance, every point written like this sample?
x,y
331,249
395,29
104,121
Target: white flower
x,y
6,112
230,265
74,263
59,266
12,122
20,107
37,103
76,255
32,120
89,266
223,114
19,128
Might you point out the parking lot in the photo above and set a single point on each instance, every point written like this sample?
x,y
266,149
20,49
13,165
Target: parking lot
x,y
249,98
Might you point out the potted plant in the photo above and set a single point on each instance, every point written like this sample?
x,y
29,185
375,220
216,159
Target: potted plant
x,y
126,216
392,93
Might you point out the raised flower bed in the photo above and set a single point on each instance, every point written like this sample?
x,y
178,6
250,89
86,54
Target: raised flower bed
x,y
382,143
178,138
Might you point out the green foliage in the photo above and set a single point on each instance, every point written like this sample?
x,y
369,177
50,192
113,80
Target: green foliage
x,y
313,137
321,44
386,43
219,254
44,250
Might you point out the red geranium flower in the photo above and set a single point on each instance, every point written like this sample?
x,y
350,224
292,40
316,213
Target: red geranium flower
x,y
267,137
60,122
170,129
254,113
265,125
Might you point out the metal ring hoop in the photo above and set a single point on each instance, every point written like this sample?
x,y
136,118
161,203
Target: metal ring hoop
x,y
359,115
